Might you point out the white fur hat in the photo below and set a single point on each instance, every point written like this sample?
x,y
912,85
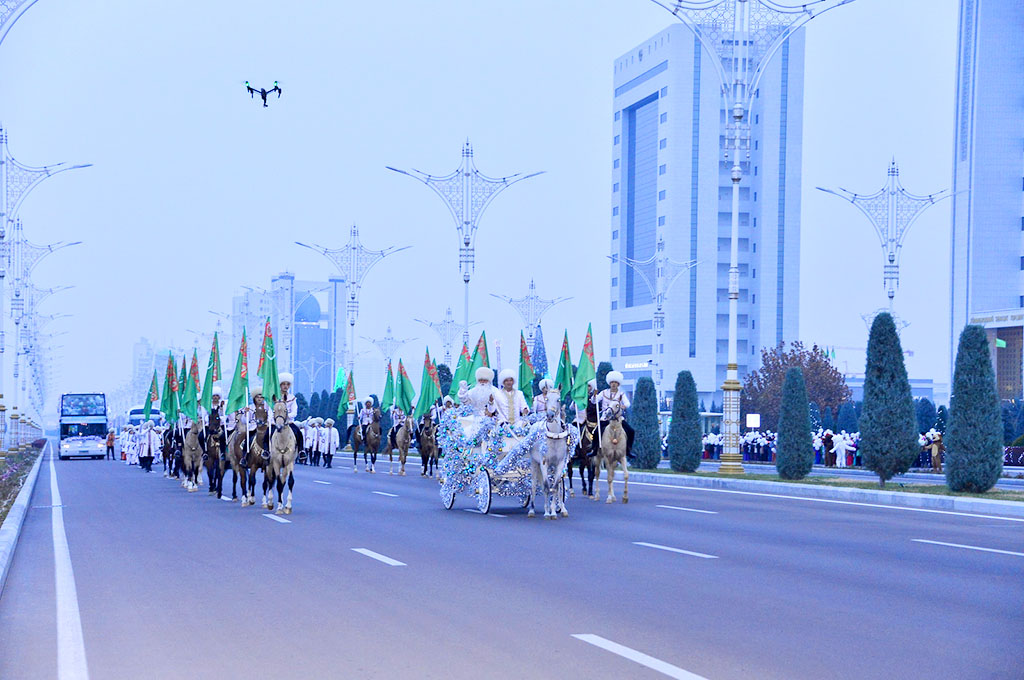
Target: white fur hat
x,y
484,373
318,421
614,376
547,383
505,375
329,422
448,400
286,378
256,390
593,383
217,391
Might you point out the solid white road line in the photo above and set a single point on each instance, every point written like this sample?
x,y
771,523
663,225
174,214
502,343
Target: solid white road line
x,y
662,667
490,514
675,550
71,663
676,507
317,481
282,520
826,500
968,547
380,558
384,493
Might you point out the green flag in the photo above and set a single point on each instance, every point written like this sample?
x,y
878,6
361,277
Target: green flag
x,y
526,371
267,369
388,400
182,379
430,388
212,375
151,397
190,396
479,359
563,378
339,379
1001,344
585,371
461,373
350,391
169,403
404,391
238,397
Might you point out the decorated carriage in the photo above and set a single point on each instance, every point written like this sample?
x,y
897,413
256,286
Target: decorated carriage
x,y
484,459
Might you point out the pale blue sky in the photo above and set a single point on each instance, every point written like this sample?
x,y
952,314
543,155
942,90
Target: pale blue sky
x,y
196,190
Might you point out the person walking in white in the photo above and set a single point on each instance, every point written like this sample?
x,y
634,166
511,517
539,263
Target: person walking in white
x,y
331,439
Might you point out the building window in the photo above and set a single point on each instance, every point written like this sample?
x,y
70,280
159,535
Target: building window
x,y
662,169
615,163
664,117
661,221
615,211
753,298
661,197
662,144
755,196
615,352
1022,300
615,305
615,280
632,326
757,119
755,145
753,324
617,139
615,187
1022,263
664,91
755,223
618,114
615,234
615,328
753,273
755,247
755,167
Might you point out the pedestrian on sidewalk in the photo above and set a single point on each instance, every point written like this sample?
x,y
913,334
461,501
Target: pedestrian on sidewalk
x,y
110,445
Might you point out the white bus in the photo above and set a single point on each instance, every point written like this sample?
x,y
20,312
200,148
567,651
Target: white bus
x,y
83,425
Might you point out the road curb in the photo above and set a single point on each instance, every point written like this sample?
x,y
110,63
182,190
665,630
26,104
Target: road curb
x,y
10,531
982,506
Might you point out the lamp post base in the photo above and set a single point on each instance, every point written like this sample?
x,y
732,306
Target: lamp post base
x,y
732,460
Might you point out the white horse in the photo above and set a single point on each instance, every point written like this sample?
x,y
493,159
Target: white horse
x,y
548,456
282,460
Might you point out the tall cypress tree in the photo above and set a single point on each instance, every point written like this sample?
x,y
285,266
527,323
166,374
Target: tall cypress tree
x,y
888,427
644,419
539,355
924,411
941,418
303,406
847,419
826,420
314,405
325,405
974,446
815,414
603,369
794,455
684,439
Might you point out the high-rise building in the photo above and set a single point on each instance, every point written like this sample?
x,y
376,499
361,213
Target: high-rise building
x,y
143,361
672,194
988,185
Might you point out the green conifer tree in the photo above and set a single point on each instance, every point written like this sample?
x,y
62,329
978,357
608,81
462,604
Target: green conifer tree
x,y
974,446
941,418
888,428
644,419
684,438
847,419
794,455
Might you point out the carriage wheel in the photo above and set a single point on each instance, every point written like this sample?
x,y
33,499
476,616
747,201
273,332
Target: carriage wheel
x,y
447,497
483,492
526,500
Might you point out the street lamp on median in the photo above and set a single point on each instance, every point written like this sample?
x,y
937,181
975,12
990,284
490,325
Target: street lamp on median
x,y
531,308
741,36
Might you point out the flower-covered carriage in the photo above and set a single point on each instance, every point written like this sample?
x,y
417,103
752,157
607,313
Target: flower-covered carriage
x,y
484,459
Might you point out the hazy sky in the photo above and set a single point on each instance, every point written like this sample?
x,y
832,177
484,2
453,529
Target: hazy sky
x,y
197,190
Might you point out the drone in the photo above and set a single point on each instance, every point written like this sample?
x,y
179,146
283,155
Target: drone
x,y
263,92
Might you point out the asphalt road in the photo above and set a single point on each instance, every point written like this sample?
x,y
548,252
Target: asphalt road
x,y
168,584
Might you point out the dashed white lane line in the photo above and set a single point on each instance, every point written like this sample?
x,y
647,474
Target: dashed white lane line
x,y
282,520
385,493
827,500
968,547
490,514
317,481
662,667
676,507
380,558
675,550
71,662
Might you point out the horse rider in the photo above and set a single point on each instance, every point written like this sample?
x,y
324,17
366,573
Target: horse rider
x,y
606,399
511,402
253,416
330,440
540,402
364,418
483,396
397,420
216,420
293,407
586,419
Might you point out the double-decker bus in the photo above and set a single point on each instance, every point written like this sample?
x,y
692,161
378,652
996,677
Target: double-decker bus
x,y
137,416
83,425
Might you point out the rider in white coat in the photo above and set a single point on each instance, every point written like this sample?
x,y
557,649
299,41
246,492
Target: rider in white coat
x,y
510,401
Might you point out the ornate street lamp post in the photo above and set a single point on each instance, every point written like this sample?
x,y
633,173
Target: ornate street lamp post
x,y
467,192
741,36
449,331
387,345
531,308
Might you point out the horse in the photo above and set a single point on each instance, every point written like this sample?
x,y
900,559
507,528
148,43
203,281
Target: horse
x,y
428,446
236,447
548,456
356,438
172,467
613,451
373,439
404,439
192,457
586,460
282,458
212,457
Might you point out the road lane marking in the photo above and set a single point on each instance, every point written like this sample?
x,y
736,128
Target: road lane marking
x,y
675,550
676,507
968,547
71,662
282,520
662,667
489,514
380,558
385,493
826,500
317,481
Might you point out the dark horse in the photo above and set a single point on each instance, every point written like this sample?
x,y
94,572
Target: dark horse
x,y
215,446
371,443
584,456
171,454
428,446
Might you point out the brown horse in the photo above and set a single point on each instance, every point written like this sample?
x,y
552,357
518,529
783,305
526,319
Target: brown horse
x,y
428,446
211,459
373,438
613,452
172,468
403,439
236,448
192,457
356,440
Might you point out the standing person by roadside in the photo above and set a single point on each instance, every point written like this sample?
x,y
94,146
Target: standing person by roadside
x,y
110,445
